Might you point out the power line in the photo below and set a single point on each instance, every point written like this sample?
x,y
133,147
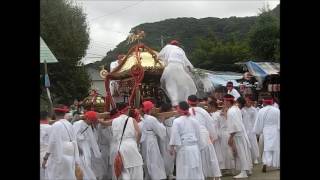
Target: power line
x,y
99,42
114,12
99,46
96,54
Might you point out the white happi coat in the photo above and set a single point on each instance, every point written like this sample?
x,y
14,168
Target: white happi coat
x,y
98,163
175,79
217,143
104,143
44,142
268,124
235,125
185,135
154,163
132,159
210,163
249,116
168,159
63,151
88,147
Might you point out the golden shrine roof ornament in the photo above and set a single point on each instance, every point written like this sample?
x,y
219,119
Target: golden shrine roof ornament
x,y
136,36
139,54
140,60
94,102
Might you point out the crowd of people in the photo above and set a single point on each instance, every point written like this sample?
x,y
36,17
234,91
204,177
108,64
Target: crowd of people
x,y
133,144
196,144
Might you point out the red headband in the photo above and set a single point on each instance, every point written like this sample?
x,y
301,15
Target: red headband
x,y
44,121
192,102
267,101
64,110
174,42
228,99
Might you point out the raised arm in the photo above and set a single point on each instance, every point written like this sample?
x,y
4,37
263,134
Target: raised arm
x,y
107,122
137,129
159,128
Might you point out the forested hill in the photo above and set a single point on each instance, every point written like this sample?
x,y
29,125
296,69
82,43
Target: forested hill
x,y
190,32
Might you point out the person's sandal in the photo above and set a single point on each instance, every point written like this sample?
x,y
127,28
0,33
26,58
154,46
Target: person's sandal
x,y
264,168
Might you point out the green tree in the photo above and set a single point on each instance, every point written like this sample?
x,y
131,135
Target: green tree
x,y
63,26
215,54
264,37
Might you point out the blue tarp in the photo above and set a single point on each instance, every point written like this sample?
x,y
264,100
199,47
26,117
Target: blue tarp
x,y
220,78
262,69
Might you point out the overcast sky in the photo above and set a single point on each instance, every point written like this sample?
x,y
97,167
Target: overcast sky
x,y
110,21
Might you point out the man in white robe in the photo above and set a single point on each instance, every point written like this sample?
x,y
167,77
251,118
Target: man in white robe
x,y
185,141
104,142
227,152
268,124
232,91
87,144
99,167
151,129
210,163
62,151
169,160
249,114
175,79
132,159
113,83
215,114
108,148
238,140
44,141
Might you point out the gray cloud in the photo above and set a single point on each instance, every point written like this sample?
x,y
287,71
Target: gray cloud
x,y
111,21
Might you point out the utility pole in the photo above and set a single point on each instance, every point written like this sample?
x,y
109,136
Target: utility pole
x,y
161,38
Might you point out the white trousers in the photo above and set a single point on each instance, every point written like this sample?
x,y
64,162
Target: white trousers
x,y
132,173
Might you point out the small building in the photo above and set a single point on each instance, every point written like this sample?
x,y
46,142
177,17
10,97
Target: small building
x,y
96,81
